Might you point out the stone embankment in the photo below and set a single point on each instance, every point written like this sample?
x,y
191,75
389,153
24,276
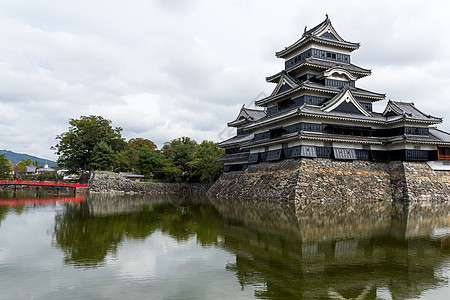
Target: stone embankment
x,y
108,182
330,180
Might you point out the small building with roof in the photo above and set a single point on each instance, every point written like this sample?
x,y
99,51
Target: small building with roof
x,y
31,170
316,110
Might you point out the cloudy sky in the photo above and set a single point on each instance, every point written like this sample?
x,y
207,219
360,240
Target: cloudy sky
x,y
163,69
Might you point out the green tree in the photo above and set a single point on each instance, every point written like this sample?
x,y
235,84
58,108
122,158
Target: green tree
x,y
128,159
76,145
5,167
138,143
170,171
102,157
178,153
172,149
204,166
30,162
19,169
122,161
149,161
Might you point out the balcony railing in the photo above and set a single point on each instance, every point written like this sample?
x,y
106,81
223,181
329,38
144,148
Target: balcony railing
x,y
443,157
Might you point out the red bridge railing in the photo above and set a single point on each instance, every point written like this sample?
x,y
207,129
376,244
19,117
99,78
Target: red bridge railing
x,y
42,183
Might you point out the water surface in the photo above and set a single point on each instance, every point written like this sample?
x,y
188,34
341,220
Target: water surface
x,y
160,247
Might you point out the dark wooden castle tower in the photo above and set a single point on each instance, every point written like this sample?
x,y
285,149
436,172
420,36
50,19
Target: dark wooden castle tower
x,y
317,111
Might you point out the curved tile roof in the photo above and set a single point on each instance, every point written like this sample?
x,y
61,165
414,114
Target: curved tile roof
x,y
317,34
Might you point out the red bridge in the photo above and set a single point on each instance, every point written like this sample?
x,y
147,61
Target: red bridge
x,y
38,184
42,183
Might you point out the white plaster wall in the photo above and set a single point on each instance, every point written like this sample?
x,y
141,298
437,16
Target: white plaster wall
x,y
439,165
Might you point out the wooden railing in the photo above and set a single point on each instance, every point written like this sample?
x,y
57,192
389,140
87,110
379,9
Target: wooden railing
x,y
443,157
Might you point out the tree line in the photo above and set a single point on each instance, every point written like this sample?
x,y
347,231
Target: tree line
x,y
91,143
9,170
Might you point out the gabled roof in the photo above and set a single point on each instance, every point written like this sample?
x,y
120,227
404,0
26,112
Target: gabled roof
x,y
392,109
336,70
322,33
314,86
408,111
355,90
344,97
247,115
284,79
322,64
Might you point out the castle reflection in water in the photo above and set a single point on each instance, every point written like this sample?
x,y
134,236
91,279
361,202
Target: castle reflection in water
x,y
285,250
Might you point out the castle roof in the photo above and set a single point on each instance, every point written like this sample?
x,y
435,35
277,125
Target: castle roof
x,y
398,108
315,100
247,115
323,33
314,86
233,157
324,112
439,134
236,140
432,139
322,64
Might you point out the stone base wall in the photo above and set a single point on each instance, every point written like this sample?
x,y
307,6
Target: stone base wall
x,y
425,184
266,180
108,182
332,180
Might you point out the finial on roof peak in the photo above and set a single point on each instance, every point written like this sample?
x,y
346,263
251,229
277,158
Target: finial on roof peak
x,y
326,16
305,29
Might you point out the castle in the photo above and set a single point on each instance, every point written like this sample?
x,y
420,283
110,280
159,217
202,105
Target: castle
x,y
317,111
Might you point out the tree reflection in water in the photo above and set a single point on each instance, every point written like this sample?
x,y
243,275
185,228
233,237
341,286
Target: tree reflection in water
x,y
286,250
88,232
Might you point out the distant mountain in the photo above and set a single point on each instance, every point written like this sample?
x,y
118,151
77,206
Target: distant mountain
x,y
16,157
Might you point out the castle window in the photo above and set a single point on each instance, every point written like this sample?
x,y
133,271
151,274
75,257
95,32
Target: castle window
x,y
285,104
276,132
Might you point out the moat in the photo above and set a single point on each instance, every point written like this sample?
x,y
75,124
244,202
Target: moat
x,y
171,247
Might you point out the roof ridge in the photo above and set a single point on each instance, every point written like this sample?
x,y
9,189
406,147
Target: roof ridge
x,y
401,102
440,130
310,31
337,63
254,109
411,104
360,89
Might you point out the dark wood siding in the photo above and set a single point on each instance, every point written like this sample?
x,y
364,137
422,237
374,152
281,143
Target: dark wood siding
x,y
273,155
253,158
316,53
337,83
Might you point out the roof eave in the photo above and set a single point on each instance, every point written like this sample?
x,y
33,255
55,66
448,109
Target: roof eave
x,y
285,52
